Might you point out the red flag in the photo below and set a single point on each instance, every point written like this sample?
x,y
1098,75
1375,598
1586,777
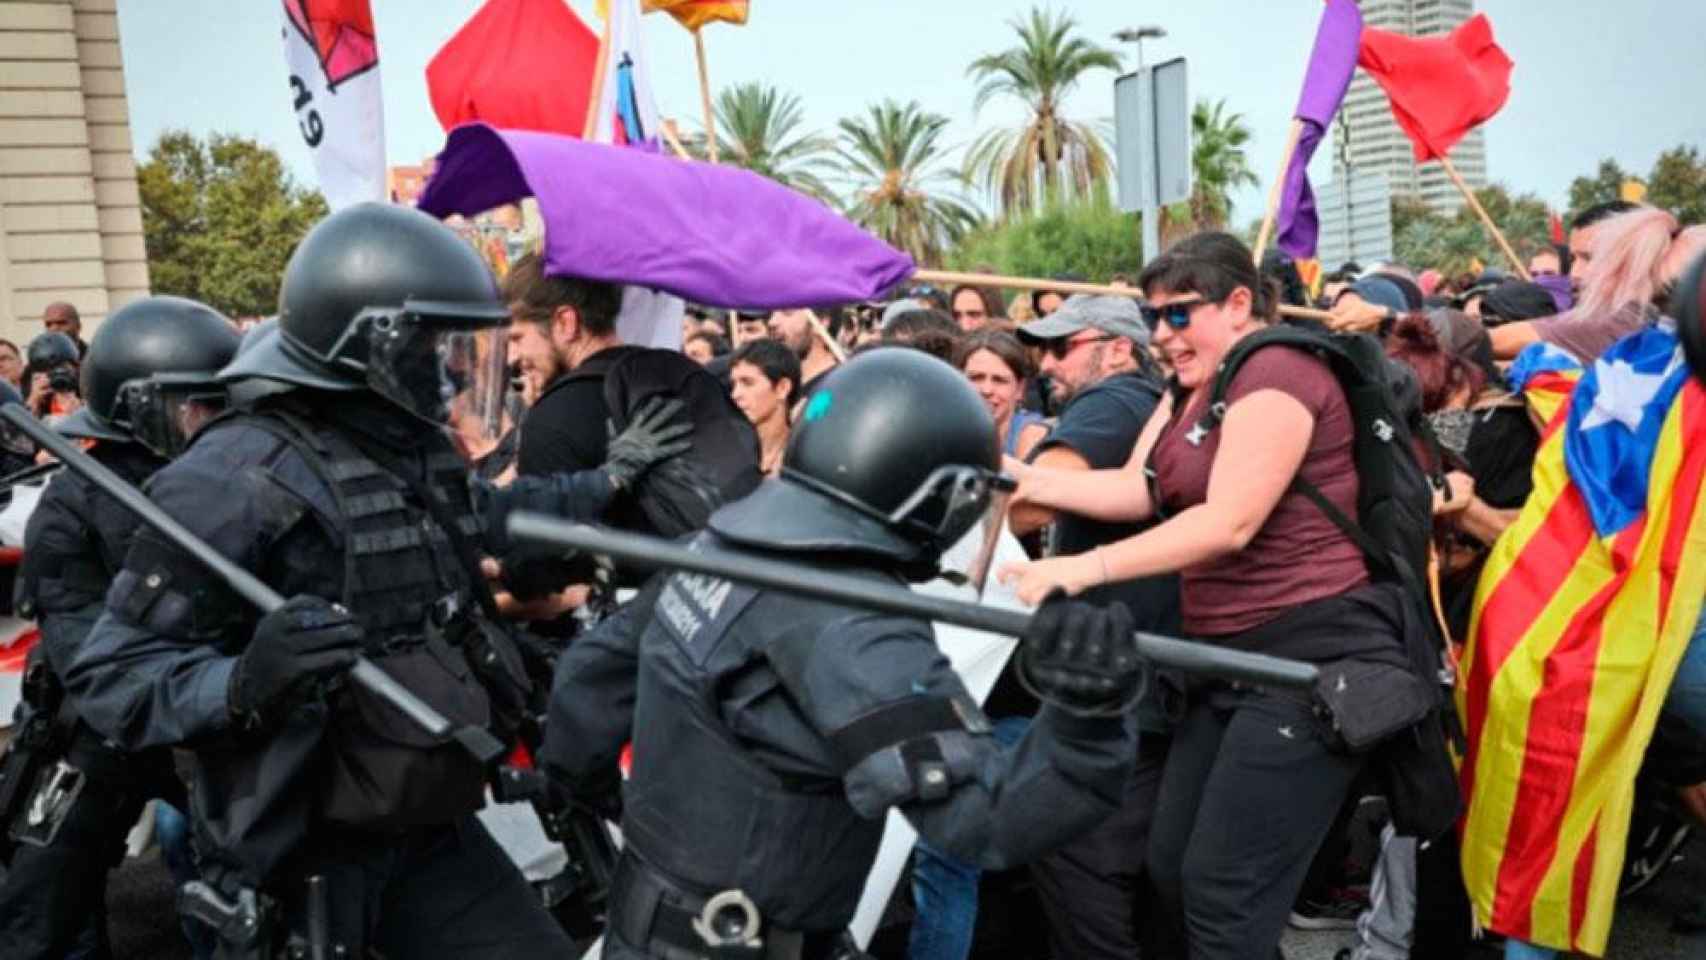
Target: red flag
x,y
1441,87
1557,226
519,65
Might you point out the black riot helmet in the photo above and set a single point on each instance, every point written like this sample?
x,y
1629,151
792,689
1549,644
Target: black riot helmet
x,y
13,440
1688,306
893,456
150,372
385,298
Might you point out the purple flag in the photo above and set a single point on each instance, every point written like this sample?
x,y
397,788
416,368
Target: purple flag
x,y
1331,65
716,235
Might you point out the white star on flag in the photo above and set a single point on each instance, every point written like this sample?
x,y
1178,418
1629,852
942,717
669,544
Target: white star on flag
x,y
1624,393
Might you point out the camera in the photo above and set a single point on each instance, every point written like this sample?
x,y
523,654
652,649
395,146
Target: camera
x,y
62,380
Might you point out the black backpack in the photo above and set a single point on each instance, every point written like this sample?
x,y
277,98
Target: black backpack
x,y
1393,528
677,497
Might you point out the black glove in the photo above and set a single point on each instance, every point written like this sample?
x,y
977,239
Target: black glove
x,y
1082,658
307,640
649,439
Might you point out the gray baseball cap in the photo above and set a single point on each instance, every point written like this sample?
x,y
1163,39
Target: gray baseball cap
x,y
1081,311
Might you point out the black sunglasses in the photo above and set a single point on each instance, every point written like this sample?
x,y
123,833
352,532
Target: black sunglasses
x,y
1058,349
1176,314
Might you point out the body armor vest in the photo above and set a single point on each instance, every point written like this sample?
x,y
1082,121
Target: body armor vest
x,y
699,805
408,583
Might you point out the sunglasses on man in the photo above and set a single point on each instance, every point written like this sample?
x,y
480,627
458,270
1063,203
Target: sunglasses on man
x,y
1061,348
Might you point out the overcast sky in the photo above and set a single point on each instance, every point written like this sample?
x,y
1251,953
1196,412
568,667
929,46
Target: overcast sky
x,y
1593,79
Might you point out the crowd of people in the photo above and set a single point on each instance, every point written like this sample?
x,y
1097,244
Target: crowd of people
x,y
1171,466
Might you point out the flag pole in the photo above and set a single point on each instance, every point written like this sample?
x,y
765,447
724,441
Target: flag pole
x,y
667,128
595,98
1480,211
952,278
1278,189
705,96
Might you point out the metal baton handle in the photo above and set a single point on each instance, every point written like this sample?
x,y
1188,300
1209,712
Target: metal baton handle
x,y
480,742
646,551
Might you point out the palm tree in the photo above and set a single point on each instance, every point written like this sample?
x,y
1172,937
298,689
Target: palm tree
x,y
758,129
1049,155
893,158
1218,162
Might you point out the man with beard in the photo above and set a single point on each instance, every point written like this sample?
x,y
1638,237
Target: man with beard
x,y
1094,351
795,328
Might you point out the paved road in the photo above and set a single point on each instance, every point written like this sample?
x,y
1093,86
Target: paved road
x,y
142,926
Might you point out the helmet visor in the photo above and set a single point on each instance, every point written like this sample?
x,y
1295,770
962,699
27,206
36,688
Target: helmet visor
x,y
164,416
446,373
963,510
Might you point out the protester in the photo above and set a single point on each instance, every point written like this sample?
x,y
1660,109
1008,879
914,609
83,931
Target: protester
x,y
765,377
974,307
1045,302
798,330
1369,305
999,368
1251,784
62,317
1096,891
703,347
1282,269
1546,263
751,325
932,331
1616,251
11,363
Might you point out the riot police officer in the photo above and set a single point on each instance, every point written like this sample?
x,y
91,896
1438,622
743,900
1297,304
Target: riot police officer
x,y
325,820
149,382
771,734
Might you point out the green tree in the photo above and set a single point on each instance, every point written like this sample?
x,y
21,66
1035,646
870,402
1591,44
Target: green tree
x,y
220,218
1424,239
1604,186
1049,156
759,128
1678,183
901,191
1219,163
1089,236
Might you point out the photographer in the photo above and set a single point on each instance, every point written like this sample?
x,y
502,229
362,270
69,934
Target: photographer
x,y
1253,779
50,375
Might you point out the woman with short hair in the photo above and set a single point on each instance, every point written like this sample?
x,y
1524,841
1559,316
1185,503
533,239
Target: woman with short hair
x,y
1254,776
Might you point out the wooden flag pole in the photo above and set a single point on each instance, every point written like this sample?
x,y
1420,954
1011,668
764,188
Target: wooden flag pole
x,y
823,334
1487,221
596,98
705,96
671,137
952,278
1278,189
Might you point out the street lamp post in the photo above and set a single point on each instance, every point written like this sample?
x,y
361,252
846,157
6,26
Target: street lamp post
x,y
1137,35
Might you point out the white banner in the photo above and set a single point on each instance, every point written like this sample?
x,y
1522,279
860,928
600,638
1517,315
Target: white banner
x,y
627,112
333,58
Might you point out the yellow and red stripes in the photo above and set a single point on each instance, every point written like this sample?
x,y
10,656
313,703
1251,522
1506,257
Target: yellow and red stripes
x,y
1573,647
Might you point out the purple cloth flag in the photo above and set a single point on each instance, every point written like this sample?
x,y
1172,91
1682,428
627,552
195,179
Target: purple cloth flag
x,y
1331,65
715,235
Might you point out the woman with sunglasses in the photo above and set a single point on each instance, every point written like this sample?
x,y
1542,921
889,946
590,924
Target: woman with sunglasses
x,y
1251,785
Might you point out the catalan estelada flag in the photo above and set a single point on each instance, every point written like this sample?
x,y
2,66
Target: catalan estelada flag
x,y
1583,612
1545,376
694,14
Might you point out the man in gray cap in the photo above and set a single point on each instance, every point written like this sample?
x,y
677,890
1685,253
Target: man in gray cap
x,y
1095,350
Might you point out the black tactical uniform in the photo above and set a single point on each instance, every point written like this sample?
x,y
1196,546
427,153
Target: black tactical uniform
x,y
76,794
321,813
771,734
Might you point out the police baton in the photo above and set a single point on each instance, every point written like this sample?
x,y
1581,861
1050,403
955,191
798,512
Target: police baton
x,y
646,551
478,741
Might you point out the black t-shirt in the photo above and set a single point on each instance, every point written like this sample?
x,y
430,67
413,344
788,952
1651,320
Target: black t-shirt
x,y
1102,424
565,431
